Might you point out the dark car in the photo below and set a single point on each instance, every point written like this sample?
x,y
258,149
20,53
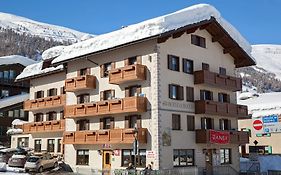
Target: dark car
x,y
6,153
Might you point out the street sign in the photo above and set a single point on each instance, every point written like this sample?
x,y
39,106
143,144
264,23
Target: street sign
x,y
255,142
257,124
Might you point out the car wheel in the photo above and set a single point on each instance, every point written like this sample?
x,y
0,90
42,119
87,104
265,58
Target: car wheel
x,y
27,170
40,170
56,164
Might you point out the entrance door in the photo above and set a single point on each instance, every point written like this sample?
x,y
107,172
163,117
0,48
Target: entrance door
x,y
106,160
209,161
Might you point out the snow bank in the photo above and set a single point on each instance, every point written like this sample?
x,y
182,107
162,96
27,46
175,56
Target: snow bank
x,y
18,122
152,27
8,101
36,69
14,131
52,52
16,59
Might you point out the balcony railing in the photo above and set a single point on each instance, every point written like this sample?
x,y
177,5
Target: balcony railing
x,y
112,136
221,109
227,137
126,74
218,80
80,83
44,103
47,126
115,106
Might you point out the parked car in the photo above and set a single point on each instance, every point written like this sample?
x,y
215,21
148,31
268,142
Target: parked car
x,y
6,153
40,163
18,159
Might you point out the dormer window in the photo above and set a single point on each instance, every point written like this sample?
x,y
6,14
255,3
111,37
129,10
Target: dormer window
x,y
198,41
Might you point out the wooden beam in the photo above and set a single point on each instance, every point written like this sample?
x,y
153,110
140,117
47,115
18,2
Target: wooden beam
x,y
191,30
217,38
163,39
228,50
204,26
178,34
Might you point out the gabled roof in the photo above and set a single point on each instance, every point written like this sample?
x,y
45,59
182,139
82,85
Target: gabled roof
x,y
201,16
9,101
16,59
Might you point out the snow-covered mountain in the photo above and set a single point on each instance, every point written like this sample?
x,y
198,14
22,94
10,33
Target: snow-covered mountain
x,y
26,26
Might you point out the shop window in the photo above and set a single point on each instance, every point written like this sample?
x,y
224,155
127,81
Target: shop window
x,y
225,156
183,157
37,145
82,157
129,157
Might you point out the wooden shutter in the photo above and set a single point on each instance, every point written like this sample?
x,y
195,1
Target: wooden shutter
x,y
190,123
180,93
126,62
228,98
112,93
102,70
78,99
169,62
211,94
139,59
113,65
127,120
189,94
101,123
127,92
212,123
170,91
138,90
139,121
112,123
101,95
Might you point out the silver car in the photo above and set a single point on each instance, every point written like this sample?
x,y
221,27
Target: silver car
x,y
40,163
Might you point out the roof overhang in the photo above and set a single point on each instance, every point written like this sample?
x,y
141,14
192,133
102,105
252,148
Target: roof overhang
x,y
39,75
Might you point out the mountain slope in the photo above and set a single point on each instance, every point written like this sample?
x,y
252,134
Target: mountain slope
x,y
26,26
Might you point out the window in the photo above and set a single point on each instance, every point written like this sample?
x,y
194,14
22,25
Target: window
x,y
52,92
107,95
105,68
51,145
16,113
38,117
176,122
83,125
225,156
132,91
83,98
175,92
107,123
198,41
173,63
225,124
51,116
59,146
82,157
4,93
10,113
6,74
205,66
187,66
224,98
1,75
206,95
222,71
84,71
62,90
37,145
207,123
190,123
39,94
61,116
132,60
22,113
183,157
12,74
190,94
128,157
133,121
23,142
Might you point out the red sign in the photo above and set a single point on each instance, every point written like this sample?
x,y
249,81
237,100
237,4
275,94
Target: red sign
x,y
116,152
257,124
220,137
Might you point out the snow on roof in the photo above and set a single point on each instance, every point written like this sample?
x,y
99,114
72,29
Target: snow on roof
x,y
264,104
52,52
150,28
8,101
36,69
13,131
18,122
16,59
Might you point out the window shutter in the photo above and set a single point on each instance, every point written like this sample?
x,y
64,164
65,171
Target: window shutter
x,y
180,93
139,60
56,91
193,39
190,94
211,94
139,121
101,123
228,98
170,91
88,71
126,61
102,70
101,95
127,92
212,123
111,123
170,62
113,65
127,120
112,93
139,90
229,124
78,99
202,42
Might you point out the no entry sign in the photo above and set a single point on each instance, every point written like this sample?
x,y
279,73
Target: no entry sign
x,y
257,124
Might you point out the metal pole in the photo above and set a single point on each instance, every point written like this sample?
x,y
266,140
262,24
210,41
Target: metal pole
x,y
135,158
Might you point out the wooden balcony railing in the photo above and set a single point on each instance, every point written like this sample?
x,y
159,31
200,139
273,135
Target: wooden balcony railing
x,y
221,137
46,126
112,136
218,80
80,83
115,106
221,109
126,74
44,103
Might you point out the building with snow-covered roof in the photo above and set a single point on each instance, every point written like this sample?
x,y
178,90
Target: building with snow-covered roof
x,y
167,83
264,123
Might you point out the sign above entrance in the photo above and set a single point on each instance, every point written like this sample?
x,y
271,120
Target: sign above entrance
x,y
219,137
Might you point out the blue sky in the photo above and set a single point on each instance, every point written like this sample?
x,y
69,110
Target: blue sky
x,y
257,20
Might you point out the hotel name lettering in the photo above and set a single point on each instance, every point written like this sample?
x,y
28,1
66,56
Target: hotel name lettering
x,y
187,107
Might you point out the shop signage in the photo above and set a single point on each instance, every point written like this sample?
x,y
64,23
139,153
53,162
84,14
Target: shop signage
x,y
220,137
150,154
116,152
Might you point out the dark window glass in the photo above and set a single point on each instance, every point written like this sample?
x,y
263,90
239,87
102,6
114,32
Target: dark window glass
x,y
37,145
83,72
128,157
187,66
39,94
190,94
52,92
39,117
224,98
176,122
173,63
225,156
51,116
175,92
207,123
82,157
51,145
183,157
206,95
205,66
132,60
225,124
222,71
106,123
59,146
83,98
83,125
108,95
190,123
107,68
198,41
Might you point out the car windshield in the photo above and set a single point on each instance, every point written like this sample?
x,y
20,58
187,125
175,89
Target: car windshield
x,y
33,159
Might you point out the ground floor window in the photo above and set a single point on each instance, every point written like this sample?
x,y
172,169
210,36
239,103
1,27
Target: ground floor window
x,y
183,157
225,156
51,145
59,146
23,142
37,145
82,157
129,157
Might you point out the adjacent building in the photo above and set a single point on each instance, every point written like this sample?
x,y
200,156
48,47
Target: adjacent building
x,y
168,83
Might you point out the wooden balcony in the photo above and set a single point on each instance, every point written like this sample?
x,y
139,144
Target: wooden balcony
x,y
112,136
80,83
136,72
218,80
115,106
220,109
235,137
47,126
44,103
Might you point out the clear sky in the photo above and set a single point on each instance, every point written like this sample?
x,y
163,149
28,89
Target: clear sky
x,y
258,20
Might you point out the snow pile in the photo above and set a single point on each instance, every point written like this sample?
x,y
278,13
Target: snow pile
x,y
18,122
8,101
26,26
268,57
13,131
150,28
36,69
16,59
86,37
52,52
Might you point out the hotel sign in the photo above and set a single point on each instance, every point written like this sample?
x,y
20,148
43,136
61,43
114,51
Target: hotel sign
x,y
219,137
